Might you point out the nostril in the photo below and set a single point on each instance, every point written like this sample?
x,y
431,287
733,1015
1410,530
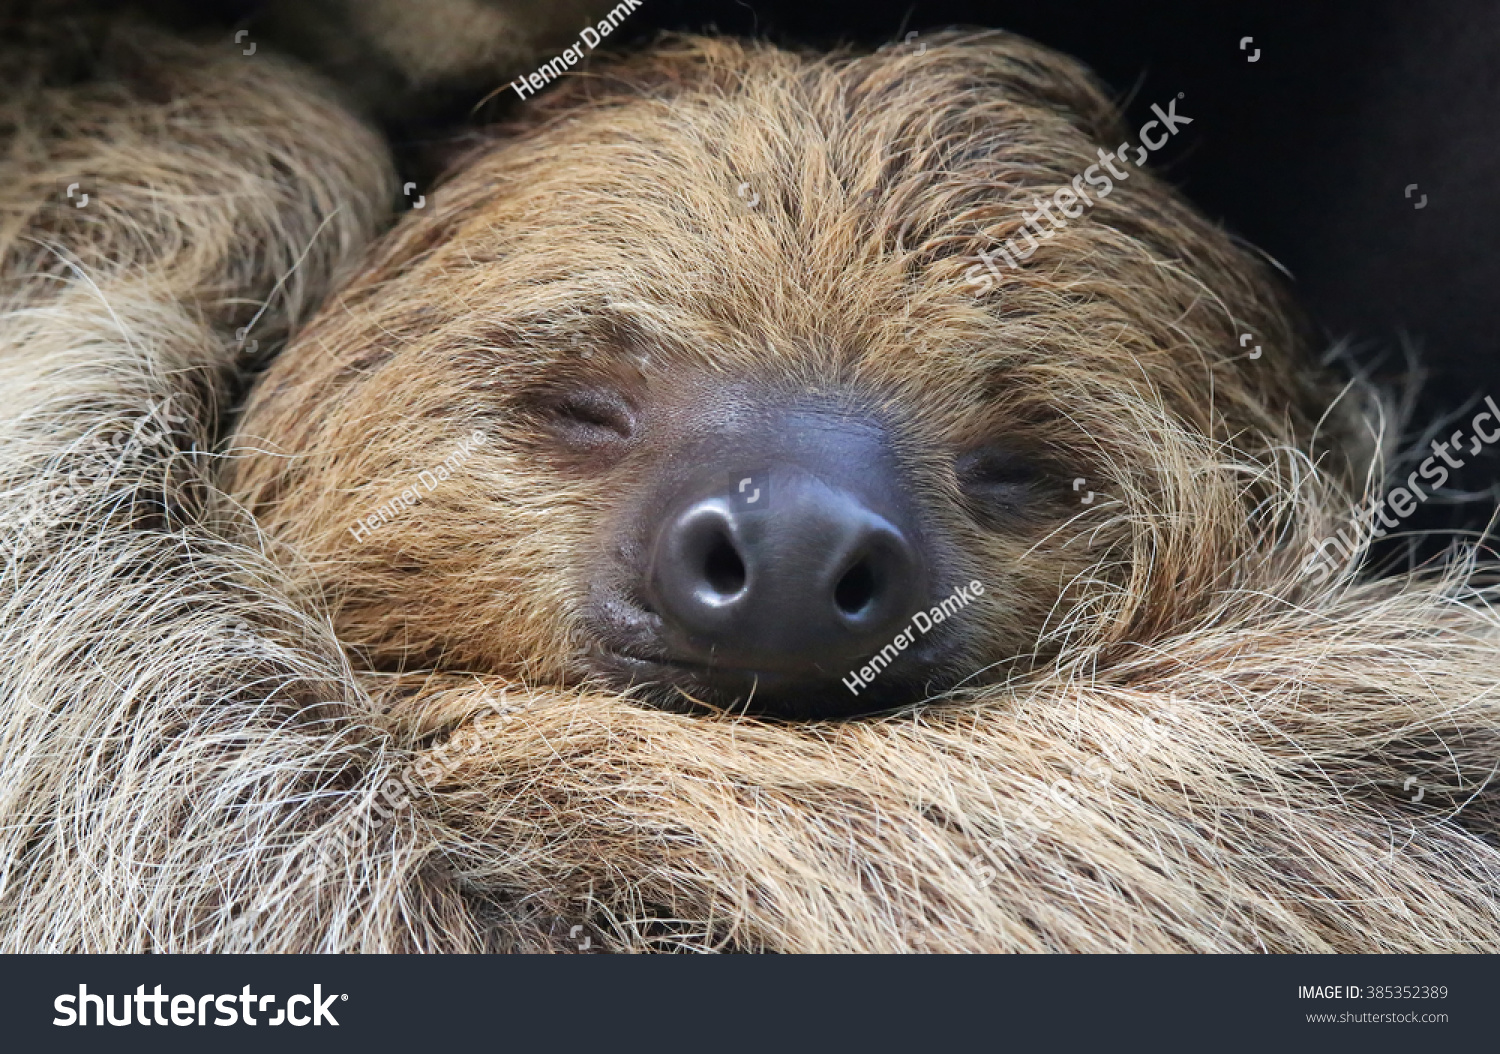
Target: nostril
x,y
855,591
722,567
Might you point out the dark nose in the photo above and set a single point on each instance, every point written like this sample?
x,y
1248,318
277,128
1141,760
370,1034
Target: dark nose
x,y
785,575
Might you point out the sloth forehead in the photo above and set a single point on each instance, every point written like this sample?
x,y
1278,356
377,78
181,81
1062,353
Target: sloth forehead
x,y
814,174
799,252
820,218
812,216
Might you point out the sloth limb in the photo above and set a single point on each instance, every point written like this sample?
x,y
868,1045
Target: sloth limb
x,y
178,741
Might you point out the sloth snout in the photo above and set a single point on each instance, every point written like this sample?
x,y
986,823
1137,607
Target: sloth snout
x,y
774,558
791,580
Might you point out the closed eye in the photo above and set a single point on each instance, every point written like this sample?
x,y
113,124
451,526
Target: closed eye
x,y
588,416
1000,485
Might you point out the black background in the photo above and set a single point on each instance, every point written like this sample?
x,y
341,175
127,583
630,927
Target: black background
x,y
920,1004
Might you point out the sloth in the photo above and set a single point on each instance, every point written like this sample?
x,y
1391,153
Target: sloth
x,y
756,443
682,528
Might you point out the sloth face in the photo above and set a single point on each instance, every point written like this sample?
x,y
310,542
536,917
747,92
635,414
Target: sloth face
x,y
752,436
762,543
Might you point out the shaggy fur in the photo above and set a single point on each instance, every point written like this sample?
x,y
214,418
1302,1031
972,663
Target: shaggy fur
x,y
210,686
606,222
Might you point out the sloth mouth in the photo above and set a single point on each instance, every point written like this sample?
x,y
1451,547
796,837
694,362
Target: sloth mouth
x,y
691,686
669,667
647,663
628,648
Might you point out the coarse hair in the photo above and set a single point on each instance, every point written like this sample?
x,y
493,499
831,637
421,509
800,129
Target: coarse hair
x,y
195,758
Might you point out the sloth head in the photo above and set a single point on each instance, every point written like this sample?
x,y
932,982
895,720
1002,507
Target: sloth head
x,y
690,381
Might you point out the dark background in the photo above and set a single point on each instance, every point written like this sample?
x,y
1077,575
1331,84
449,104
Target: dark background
x,y
792,1003
1305,152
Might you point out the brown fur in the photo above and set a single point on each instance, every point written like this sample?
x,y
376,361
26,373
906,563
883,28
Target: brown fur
x,y
1046,811
615,229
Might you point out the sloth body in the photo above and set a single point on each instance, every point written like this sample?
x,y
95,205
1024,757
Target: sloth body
x,y
402,669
